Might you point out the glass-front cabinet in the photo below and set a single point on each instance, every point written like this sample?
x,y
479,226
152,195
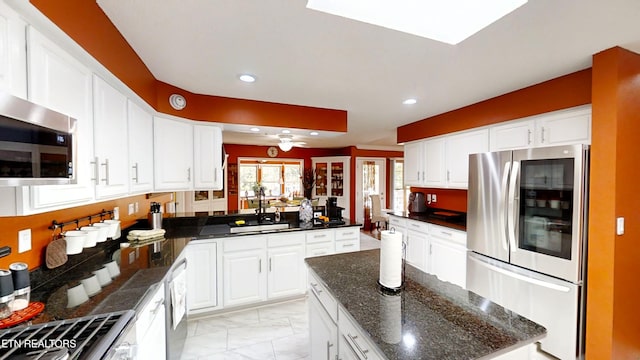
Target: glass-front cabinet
x,y
332,179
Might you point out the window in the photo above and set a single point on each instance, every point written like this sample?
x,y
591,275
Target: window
x,y
248,175
400,192
279,178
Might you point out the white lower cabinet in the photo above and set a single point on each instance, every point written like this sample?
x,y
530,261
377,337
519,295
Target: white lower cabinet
x,y
448,255
323,332
202,276
244,270
320,242
347,239
417,243
151,329
286,265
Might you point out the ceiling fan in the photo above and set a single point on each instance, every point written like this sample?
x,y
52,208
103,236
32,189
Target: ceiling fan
x,y
286,142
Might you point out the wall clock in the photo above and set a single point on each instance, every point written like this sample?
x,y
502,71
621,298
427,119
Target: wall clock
x,y
272,151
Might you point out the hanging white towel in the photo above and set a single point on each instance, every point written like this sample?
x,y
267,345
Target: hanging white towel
x,y
179,297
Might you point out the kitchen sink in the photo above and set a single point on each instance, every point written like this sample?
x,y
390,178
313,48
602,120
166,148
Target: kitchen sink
x,y
258,227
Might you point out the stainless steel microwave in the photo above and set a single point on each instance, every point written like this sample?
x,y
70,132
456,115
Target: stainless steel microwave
x,y
37,145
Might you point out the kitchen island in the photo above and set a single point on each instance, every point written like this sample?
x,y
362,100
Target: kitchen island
x,y
428,319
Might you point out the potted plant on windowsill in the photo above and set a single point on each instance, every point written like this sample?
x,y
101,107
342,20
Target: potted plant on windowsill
x,y
308,181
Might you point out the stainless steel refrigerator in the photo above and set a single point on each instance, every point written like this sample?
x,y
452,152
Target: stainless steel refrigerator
x,y
526,231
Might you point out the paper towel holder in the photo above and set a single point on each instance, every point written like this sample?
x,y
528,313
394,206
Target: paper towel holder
x,y
396,290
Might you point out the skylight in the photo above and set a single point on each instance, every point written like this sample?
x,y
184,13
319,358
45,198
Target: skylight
x,y
448,21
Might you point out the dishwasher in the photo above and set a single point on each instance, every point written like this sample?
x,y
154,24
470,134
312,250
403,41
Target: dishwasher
x,y
176,309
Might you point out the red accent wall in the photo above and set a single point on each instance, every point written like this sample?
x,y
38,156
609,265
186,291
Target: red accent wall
x,y
613,319
88,25
450,199
555,94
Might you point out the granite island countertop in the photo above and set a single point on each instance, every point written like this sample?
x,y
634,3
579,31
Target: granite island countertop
x,y
438,320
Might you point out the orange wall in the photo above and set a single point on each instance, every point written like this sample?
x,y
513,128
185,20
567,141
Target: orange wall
x,y
41,235
613,319
450,199
250,112
236,151
91,28
559,93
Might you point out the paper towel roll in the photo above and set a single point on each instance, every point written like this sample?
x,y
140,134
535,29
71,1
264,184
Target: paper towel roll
x,y
391,259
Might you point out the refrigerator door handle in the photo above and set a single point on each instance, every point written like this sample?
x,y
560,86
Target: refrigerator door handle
x,y
512,212
517,276
503,204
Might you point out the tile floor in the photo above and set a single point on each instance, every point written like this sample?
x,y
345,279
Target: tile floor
x,y
274,332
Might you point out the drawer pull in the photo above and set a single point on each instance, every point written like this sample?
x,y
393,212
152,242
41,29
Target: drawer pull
x,y
362,351
320,236
446,233
348,245
348,233
315,287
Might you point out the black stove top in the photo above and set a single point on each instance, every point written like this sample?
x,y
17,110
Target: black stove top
x,y
85,338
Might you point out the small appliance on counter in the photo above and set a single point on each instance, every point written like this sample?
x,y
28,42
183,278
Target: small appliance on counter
x,y
417,203
155,216
334,212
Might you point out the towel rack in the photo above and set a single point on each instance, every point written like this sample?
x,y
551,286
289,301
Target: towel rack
x,y
58,225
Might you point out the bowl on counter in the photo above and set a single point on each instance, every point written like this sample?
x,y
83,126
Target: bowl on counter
x,y
75,241
104,231
92,236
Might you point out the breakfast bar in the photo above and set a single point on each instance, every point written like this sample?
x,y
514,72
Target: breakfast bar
x,y
427,319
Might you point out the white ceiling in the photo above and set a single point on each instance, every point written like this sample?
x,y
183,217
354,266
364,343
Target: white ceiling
x,y
310,58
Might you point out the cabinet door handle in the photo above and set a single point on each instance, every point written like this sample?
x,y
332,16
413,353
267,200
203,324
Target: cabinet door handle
x,y
329,345
135,177
215,175
106,171
362,351
430,249
188,174
529,137
542,135
448,175
418,175
159,303
269,264
259,266
315,287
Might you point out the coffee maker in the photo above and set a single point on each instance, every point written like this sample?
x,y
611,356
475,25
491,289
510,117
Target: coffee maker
x,y
334,212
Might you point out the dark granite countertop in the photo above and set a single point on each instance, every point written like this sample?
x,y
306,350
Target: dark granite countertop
x,y
434,319
141,266
453,219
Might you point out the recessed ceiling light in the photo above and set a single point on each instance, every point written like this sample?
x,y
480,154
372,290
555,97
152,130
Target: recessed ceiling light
x,y
285,131
314,133
254,129
449,21
410,101
247,78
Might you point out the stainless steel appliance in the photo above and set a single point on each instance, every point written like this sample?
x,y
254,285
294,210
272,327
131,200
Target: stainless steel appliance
x,y
91,337
526,229
176,309
37,145
417,202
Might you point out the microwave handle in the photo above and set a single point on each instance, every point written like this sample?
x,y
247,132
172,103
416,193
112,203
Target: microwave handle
x,y
512,211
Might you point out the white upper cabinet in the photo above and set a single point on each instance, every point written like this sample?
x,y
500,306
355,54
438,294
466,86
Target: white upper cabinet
x,y
13,55
442,161
434,162
564,127
207,143
414,163
458,148
60,82
140,149
173,154
111,164
513,135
